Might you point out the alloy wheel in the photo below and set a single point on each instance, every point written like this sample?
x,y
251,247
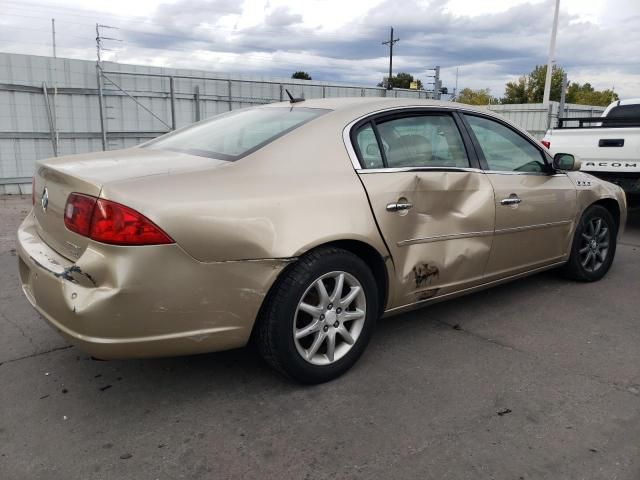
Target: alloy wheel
x,y
594,245
329,318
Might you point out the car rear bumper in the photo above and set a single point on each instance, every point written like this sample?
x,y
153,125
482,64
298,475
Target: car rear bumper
x,y
134,302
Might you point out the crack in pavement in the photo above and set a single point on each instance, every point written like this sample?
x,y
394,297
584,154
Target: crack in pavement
x,y
37,354
18,327
609,383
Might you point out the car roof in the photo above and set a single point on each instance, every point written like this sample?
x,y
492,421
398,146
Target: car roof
x,y
344,110
371,104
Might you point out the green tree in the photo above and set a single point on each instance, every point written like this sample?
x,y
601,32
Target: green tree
x,y
475,97
402,80
300,75
530,88
516,92
585,94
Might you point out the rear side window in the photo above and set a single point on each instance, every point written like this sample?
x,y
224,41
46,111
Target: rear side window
x,y
503,149
623,114
422,141
236,134
368,146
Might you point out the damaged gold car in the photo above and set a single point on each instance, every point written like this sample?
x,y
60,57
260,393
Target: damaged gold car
x,y
299,225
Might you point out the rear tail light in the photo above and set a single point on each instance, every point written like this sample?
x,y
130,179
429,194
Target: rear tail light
x,y
78,213
110,222
546,143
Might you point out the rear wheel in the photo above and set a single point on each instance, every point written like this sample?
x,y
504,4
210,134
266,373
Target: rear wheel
x,y
594,245
320,316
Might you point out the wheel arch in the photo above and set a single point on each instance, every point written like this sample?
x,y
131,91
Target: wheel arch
x,y
363,250
374,260
612,206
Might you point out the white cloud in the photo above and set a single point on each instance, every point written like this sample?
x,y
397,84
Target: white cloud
x,y
491,42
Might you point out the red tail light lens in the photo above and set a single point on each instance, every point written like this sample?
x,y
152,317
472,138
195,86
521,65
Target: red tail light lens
x,y
546,143
78,213
110,222
119,225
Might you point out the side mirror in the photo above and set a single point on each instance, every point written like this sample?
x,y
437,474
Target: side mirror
x,y
373,150
566,162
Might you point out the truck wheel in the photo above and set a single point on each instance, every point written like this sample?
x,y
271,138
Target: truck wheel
x,y
594,245
319,317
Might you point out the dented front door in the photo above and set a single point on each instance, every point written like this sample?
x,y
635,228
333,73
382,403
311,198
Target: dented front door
x,y
438,226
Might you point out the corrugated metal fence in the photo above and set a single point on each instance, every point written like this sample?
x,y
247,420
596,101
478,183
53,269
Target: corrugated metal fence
x,y
51,106
537,119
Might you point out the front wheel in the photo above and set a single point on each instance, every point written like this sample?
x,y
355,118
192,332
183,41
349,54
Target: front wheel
x,y
594,245
319,317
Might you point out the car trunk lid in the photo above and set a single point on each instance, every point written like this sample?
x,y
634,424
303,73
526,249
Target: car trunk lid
x,y
56,178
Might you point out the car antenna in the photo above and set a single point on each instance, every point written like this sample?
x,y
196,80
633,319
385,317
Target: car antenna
x,y
292,99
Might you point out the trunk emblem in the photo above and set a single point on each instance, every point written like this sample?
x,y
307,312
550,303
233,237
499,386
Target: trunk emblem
x,y
45,200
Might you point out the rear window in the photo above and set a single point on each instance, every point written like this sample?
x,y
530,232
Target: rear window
x,y
236,134
625,112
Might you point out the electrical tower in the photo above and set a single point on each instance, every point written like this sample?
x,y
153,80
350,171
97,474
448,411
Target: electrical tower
x,y
438,90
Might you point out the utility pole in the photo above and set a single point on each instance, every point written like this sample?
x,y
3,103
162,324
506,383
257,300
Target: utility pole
x,y
552,52
390,42
53,35
437,84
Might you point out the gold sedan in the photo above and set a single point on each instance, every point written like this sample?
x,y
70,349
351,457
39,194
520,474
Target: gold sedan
x,y
299,225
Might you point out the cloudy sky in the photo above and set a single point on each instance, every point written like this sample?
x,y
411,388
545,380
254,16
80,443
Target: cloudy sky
x,y
489,41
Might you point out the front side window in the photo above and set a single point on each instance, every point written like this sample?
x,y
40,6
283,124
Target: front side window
x,y
422,141
505,150
233,135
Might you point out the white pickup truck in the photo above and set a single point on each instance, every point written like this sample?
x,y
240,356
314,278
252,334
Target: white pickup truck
x,y
608,146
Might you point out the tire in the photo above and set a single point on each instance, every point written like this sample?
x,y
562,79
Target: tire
x,y
590,244
296,323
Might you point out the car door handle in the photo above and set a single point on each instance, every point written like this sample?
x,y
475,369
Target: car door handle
x,y
513,199
398,206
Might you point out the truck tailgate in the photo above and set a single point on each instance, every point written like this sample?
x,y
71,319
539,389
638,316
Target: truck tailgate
x,y
600,149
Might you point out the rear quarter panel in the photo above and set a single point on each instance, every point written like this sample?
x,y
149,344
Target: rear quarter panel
x,y
296,193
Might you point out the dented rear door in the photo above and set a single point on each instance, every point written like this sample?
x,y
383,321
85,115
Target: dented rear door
x,y
434,209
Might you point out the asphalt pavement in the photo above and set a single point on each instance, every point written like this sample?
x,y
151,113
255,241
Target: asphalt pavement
x,y
536,379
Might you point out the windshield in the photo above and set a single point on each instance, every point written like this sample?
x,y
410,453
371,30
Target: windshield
x,y
235,134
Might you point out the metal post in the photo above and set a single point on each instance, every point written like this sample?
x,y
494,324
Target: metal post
x,y
196,99
52,133
103,129
53,35
281,92
549,115
324,91
552,50
362,92
229,91
563,92
172,91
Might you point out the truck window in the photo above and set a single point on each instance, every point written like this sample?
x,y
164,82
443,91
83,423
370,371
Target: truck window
x,y
627,114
